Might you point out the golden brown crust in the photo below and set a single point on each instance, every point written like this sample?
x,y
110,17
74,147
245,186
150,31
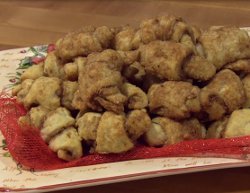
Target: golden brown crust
x,y
124,39
223,95
164,59
129,57
70,71
55,122
136,98
172,99
166,131
33,72
171,128
160,28
193,129
53,66
111,134
67,144
35,117
217,128
68,91
21,90
199,68
44,91
224,45
84,42
163,28
137,123
242,66
155,136
238,124
180,28
87,125
100,81
77,102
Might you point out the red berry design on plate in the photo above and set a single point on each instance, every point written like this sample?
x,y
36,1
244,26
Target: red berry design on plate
x,y
37,60
51,47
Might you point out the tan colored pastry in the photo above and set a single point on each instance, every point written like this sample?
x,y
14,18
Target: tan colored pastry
x,y
238,124
71,71
67,144
44,91
53,66
68,90
137,99
84,41
55,122
33,72
137,123
100,81
216,129
35,117
173,99
111,134
87,125
239,66
223,95
21,90
166,131
199,68
223,45
164,59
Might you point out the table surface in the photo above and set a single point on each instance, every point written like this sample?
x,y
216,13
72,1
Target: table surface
x,y
26,23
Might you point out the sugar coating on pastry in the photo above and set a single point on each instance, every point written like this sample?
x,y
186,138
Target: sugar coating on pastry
x,y
173,99
67,144
111,134
55,122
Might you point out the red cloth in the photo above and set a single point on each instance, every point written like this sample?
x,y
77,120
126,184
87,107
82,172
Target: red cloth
x,y
27,147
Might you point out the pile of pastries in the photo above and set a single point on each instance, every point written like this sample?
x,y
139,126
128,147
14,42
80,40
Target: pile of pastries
x,y
104,90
